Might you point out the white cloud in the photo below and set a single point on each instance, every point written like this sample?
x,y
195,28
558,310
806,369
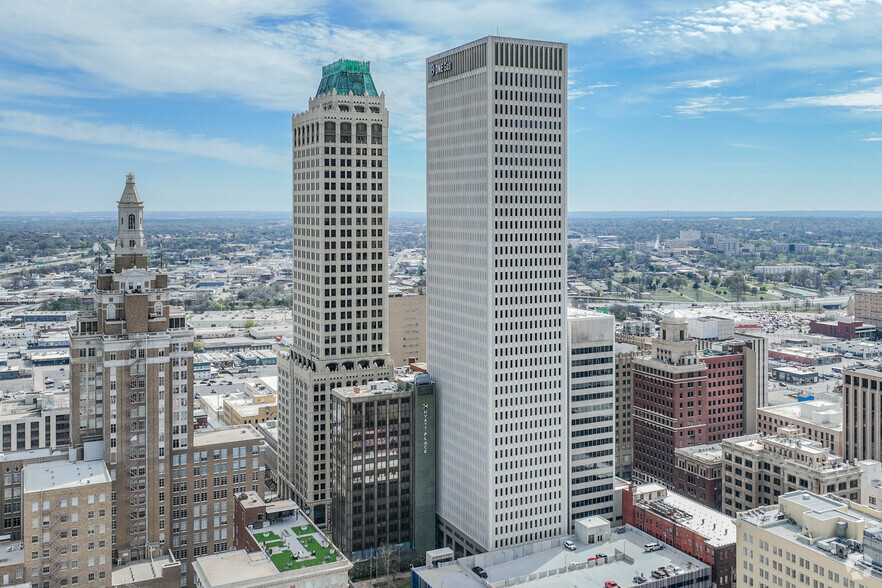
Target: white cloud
x,y
266,54
696,107
745,25
714,83
137,137
872,139
860,101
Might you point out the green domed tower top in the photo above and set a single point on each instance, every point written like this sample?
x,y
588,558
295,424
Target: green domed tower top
x,y
347,75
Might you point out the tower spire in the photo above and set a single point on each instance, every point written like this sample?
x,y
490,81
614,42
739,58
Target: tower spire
x,y
131,247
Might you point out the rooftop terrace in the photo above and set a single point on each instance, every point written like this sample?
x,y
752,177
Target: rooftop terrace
x,y
293,542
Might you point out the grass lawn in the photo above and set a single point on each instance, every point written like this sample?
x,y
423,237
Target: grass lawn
x,y
309,529
284,560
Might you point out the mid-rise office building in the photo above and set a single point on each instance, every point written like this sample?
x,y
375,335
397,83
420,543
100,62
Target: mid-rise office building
x,y
624,365
685,397
867,305
383,466
340,239
861,404
407,328
67,523
819,420
804,539
757,469
591,414
496,112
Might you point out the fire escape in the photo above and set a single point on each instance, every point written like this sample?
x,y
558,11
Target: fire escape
x,y
58,545
137,452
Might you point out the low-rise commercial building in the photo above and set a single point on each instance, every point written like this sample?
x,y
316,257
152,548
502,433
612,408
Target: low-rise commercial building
x,y
774,271
804,356
594,557
796,376
705,534
276,546
843,329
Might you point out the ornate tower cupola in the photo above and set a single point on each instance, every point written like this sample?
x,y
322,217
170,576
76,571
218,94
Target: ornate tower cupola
x,y
131,247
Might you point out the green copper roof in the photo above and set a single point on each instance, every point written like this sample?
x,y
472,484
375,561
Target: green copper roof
x,y
347,75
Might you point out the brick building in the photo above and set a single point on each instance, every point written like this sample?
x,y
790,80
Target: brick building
x,y
694,529
132,407
843,329
685,397
698,474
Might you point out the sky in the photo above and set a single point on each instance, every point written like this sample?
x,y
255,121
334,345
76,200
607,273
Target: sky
x,y
696,105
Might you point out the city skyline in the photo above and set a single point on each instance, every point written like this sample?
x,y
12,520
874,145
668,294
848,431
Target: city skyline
x,y
769,105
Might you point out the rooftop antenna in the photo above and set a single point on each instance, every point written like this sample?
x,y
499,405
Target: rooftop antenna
x,y
160,254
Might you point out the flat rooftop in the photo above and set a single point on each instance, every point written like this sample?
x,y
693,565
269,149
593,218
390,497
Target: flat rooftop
x,y
243,433
547,564
11,553
292,541
717,529
41,477
373,389
774,520
710,453
232,567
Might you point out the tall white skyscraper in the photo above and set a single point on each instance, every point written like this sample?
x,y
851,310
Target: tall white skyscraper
x,y
496,318
340,241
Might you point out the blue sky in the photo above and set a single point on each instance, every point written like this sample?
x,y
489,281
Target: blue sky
x,y
674,104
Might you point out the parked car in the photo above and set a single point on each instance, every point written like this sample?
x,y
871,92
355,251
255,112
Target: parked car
x,y
570,545
479,571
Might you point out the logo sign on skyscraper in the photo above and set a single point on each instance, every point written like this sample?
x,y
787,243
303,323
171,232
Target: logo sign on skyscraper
x,y
425,427
439,68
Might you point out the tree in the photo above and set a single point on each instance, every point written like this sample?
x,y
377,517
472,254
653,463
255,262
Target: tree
x,y
387,564
249,323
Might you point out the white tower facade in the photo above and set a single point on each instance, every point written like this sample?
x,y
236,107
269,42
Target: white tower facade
x,y
496,313
340,240
591,414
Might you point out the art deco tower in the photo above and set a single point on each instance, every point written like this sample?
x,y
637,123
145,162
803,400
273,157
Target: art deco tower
x,y
496,339
340,240
131,377
130,382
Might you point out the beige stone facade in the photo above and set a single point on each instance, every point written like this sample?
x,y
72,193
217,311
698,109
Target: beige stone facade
x,y
407,328
67,523
757,469
804,539
868,305
340,242
819,420
862,410
624,410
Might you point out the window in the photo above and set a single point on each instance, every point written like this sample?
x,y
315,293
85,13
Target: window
x,y
131,222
